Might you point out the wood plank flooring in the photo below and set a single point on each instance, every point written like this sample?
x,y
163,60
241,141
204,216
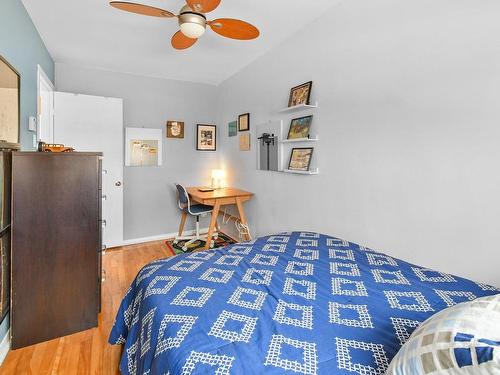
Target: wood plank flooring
x,y
88,352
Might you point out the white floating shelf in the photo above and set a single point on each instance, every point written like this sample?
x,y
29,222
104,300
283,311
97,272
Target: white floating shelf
x,y
298,108
315,139
310,172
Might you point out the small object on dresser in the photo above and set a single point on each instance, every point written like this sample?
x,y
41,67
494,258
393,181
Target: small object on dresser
x,y
48,147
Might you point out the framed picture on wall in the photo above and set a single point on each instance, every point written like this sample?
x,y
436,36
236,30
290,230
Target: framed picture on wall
x,y
206,137
143,147
299,127
175,129
244,122
300,159
300,94
232,129
245,142
10,99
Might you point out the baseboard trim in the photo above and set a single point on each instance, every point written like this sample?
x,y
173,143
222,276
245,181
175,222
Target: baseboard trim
x,y
159,237
4,346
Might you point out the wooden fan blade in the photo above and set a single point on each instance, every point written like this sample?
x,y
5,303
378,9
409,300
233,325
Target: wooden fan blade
x,y
203,6
234,29
180,41
141,9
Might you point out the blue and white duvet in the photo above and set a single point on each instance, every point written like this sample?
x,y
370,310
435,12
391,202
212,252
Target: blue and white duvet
x,y
296,302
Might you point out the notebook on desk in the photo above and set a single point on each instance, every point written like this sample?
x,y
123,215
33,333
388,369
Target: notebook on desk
x,y
205,190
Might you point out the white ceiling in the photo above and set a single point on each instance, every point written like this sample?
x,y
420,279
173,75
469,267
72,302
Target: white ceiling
x,y
91,33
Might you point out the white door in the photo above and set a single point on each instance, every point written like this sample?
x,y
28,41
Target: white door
x,y
94,123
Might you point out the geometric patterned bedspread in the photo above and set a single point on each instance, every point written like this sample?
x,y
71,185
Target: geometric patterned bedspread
x,y
297,302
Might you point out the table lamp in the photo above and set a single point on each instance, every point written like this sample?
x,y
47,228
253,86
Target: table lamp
x,y
218,178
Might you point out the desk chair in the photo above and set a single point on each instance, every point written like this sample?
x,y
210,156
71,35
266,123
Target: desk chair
x,y
195,210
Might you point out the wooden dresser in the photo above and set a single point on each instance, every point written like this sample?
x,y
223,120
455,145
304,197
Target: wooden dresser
x,y
56,245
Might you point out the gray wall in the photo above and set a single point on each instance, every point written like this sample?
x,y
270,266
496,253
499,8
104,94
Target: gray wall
x,y
409,95
23,48
149,201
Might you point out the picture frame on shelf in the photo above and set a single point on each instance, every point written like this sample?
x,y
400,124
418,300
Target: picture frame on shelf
x,y
175,129
300,159
244,122
299,127
232,128
300,94
206,137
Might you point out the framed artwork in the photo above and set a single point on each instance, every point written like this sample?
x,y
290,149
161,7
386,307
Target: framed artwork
x,y
244,122
300,94
10,91
299,127
206,137
300,159
175,129
232,128
245,142
143,147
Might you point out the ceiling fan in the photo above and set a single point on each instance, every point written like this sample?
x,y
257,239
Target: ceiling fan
x,y
193,22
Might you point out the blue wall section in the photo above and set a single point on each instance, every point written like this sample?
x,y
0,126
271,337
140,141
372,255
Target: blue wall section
x,y
22,47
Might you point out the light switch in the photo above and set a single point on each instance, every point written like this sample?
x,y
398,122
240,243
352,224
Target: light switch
x,y
32,124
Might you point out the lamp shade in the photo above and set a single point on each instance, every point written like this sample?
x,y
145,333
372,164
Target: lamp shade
x,y
218,178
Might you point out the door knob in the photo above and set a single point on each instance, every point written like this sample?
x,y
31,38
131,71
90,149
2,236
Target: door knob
x,y
118,183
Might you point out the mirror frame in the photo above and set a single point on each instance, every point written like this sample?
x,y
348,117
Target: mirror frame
x,y
2,59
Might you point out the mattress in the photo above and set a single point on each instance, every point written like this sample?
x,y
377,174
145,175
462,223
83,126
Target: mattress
x,y
297,302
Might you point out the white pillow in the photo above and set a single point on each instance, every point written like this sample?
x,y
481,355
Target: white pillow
x,y
462,339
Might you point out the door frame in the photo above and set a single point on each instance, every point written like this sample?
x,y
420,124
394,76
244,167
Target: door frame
x,y
43,79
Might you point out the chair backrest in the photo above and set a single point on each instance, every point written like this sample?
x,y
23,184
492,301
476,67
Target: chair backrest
x,y
182,196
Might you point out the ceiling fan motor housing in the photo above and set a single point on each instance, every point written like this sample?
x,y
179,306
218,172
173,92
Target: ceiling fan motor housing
x,y
193,24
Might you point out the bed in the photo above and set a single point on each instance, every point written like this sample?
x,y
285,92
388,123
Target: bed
x,y
297,302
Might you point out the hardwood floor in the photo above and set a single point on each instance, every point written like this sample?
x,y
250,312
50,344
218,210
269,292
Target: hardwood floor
x,y
88,352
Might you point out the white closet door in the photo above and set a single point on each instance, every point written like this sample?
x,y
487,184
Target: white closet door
x,y
95,124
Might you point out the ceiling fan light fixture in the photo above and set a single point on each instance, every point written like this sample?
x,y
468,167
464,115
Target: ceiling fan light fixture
x,y
192,30
192,24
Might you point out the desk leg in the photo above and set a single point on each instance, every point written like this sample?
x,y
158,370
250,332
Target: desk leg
x,y
243,218
183,221
213,221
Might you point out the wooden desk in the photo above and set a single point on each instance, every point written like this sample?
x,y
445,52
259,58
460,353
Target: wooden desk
x,y
218,198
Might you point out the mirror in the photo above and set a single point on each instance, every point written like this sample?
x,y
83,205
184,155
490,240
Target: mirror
x,y
9,102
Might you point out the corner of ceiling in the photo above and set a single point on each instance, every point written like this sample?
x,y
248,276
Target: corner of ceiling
x,y
335,4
